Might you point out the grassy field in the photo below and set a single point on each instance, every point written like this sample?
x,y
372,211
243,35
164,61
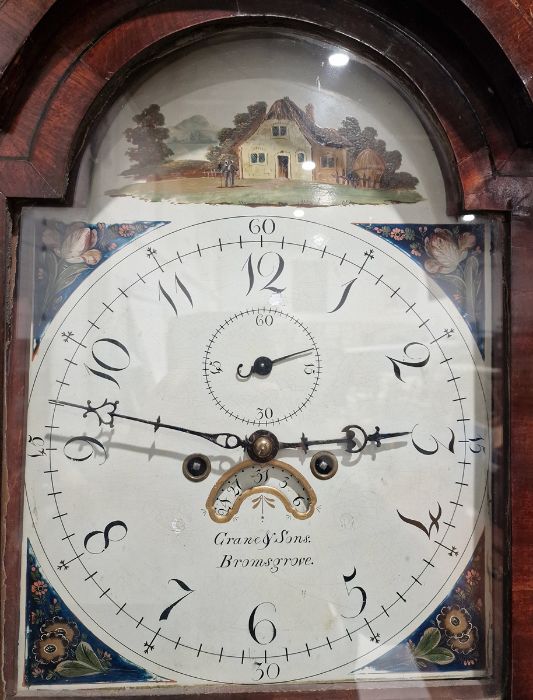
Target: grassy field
x,y
210,190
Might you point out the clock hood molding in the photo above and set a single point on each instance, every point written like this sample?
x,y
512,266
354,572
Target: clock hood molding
x,y
84,57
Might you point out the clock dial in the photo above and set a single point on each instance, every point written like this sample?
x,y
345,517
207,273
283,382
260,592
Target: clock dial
x,y
264,391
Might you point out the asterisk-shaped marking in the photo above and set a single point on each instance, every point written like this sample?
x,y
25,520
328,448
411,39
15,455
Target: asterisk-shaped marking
x,y
448,332
67,336
151,252
148,647
370,254
453,552
62,566
376,637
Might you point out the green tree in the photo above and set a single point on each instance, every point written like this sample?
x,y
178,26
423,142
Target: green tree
x,y
149,149
229,136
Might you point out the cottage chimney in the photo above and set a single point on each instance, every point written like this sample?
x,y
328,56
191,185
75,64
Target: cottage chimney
x,y
310,112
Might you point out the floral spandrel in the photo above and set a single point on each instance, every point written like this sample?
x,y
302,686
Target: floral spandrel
x,y
453,638
59,649
66,254
451,255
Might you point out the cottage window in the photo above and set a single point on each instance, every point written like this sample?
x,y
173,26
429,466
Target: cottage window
x,y
301,157
257,158
279,131
327,161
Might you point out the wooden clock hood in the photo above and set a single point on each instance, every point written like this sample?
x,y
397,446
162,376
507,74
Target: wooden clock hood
x,y
468,67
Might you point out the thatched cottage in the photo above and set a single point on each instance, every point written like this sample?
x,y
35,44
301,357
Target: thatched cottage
x,y
286,140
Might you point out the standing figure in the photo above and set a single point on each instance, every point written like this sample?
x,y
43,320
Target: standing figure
x,y
230,169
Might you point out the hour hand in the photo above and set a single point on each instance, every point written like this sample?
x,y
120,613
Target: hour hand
x,y
107,412
355,439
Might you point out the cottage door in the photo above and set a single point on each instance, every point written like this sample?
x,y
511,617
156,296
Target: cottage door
x,y
283,166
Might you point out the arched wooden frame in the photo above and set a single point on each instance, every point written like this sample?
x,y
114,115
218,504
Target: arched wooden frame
x,y
64,65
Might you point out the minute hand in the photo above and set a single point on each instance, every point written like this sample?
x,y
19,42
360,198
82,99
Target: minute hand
x,y
352,445
107,412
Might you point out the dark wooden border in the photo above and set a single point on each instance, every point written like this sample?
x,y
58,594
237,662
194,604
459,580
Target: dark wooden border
x,y
61,63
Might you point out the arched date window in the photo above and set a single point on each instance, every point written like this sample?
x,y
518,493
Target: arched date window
x,y
262,344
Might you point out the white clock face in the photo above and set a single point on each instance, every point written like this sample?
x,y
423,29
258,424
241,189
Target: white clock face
x,y
182,394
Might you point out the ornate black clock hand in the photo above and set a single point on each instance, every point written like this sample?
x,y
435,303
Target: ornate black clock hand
x,y
352,445
107,412
263,365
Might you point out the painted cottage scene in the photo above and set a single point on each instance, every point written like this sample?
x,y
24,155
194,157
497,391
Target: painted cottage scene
x,y
277,155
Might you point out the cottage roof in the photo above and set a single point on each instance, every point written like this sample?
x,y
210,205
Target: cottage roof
x,y
285,108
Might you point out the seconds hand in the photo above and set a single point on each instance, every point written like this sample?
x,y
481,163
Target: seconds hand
x,y
263,365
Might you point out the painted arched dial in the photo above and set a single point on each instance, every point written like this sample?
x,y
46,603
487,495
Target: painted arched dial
x,y
378,368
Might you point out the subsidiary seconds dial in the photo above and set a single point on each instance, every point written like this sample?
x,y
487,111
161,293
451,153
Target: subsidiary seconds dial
x,y
262,366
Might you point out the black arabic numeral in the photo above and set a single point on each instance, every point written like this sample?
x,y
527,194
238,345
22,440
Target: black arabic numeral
x,y
111,343
178,285
410,361
434,522
272,670
37,444
84,440
265,413
264,320
361,591
107,539
309,368
264,623
450,446
166,612
477,445
274,271
347,289
261,475
267,226
215,367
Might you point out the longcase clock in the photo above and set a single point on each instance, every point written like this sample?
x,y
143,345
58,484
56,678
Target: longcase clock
x,y
266,368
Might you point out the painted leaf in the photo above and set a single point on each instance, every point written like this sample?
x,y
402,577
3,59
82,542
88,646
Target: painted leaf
x,y
428,641
68,275
73,669
440,656
86,655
